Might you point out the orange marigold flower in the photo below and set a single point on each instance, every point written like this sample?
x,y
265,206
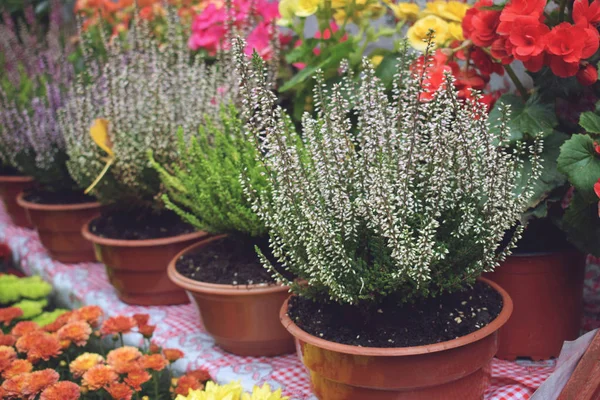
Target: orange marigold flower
x,y
61,321
89,314
84,362
187,383
15,387
124,359
154,348
23,328
141,319
137,378
119,391
155,362
173,354
8,314
7,355
39,345
77,332
201,374
98,377
7,340
29,385
63,390
147,330
16,368
118,324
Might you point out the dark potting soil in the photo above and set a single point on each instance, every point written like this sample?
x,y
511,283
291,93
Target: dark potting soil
x,y
41,196
139,225
228,261
390,324
5,170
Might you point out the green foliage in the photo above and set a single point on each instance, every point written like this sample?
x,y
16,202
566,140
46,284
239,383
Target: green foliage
x,y
590,122
204,188
528,120
580,162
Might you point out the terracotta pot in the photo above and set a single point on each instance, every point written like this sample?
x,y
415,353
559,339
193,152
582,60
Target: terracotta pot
x,y
455,369
547,291
59,228
10,188
243,320
137,269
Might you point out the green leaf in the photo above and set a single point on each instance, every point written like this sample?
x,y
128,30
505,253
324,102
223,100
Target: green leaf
x,y
387,68
580,162
590,122
582,224
527,120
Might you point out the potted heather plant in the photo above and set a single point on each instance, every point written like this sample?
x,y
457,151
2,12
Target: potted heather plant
x,y
133,103
388,222
237,299
31,93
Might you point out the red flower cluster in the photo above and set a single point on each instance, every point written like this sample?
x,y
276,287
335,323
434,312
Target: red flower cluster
x,y
519,32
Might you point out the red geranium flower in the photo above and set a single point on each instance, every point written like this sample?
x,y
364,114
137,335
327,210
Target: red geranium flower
x,y
586,14
588,75
480,25
502,50
597,188
484,63
528,37
567,45
518,8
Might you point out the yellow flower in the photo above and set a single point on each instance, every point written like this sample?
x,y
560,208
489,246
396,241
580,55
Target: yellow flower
x,y
450,11
376,60
455,30
417,34
356,11
264,393
212,391
405,11
287,10
306,8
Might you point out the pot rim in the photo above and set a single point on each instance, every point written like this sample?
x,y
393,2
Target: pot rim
x,y
85,231
216,288
479,334
15,179
55,207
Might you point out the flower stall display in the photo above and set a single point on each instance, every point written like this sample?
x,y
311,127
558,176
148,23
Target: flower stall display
x,y
557,44
134,103
81,355
237,298
387,210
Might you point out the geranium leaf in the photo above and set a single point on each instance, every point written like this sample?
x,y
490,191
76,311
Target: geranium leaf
x,y
528,120
579,161
590,122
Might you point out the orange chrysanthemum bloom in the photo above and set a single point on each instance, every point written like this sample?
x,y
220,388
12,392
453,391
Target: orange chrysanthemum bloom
x,y
7,340
8,314
154,348
155,362
39,345
119,391
7,355
124,359
23,328
61,321
63,390
137,378
16,368
201,374
173,354
29,385
147,330
15,387
77,332
118,324
141,319
84,362
98,377
187,383
89,314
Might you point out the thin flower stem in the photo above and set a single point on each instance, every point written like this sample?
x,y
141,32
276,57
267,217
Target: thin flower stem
x,y
513,77
561,12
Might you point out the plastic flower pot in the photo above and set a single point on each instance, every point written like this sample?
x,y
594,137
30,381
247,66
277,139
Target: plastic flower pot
x,y
137,269
455,369
547,291
10,188
243,320
59,228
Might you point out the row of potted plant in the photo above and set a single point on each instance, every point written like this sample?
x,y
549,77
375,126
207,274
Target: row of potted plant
x,y
379,209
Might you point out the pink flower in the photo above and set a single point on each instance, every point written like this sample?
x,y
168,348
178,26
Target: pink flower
x,y
259,40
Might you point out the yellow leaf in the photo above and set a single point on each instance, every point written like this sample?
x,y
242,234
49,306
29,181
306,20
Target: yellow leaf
x,y
99,134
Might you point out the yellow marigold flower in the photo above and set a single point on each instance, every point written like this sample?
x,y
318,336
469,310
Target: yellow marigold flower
x,y
376,60
306,8
264,393
450,11
417,34
405,11
212,391
456,32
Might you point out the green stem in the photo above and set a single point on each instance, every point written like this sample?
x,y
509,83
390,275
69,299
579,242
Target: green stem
x,y
121,339
522,90
561,12
155,379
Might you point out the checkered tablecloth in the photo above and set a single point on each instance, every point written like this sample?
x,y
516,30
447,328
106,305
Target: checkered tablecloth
x,y
178,326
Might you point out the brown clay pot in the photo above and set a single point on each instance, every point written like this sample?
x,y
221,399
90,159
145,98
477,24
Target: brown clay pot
x,y
137,269
10,188
456,369
243,320
59,228
547,292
